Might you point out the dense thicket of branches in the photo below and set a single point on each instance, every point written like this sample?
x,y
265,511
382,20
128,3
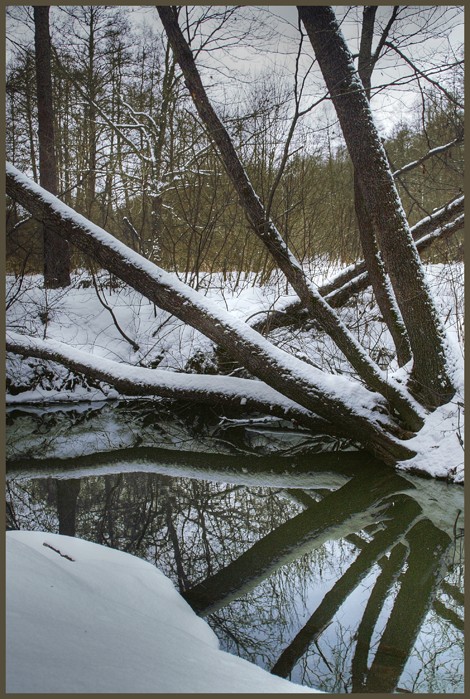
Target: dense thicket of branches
x,y
132,155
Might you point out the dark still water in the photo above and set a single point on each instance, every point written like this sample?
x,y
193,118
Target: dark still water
x,y
324,567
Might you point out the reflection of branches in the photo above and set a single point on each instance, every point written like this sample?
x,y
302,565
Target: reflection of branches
x,y
333,517
183,582
108,507
453,591
404,511
391,568
259,624
448,614
428,547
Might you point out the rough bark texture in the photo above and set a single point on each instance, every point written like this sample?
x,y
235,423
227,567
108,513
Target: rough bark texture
x,y
267,232
56,248
293,378
378,278
431,381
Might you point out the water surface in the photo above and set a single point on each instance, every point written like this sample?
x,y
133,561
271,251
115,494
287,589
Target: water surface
x,y
325,567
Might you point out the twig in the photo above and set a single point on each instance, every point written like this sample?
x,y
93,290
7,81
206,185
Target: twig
x,y
64,555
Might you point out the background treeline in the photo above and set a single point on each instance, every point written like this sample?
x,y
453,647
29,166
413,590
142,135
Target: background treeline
x,y
133,157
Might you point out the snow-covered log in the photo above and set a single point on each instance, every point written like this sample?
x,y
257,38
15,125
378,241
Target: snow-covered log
x,y
226,391
438,226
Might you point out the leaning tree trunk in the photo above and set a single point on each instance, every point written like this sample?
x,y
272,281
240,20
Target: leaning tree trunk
x,y
382,291
431,381
56,248
270,236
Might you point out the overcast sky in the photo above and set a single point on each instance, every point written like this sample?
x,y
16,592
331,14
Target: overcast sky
x,y
248,60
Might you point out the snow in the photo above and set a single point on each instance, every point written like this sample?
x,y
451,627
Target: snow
x,y
86,618
439,444
77,319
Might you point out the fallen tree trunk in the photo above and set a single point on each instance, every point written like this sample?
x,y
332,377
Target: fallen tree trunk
x,y
225,391
437,227
360,413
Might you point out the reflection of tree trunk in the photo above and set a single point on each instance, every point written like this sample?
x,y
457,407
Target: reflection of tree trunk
x,y
183,582
347,509
67,496
448,614
428,548
391,568
453,591
404,512
334,467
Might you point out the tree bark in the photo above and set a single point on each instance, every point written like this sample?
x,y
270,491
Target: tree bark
x,y
431,381
383,293
56,248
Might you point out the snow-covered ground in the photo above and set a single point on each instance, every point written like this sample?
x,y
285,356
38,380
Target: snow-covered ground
x,y
77,317
86,618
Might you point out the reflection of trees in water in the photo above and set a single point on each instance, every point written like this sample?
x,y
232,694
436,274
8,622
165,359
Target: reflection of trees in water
x,y
350,589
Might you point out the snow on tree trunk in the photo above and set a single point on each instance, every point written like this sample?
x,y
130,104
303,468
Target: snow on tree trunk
x,y
270,236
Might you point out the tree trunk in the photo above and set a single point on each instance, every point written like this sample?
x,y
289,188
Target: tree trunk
x,y
378,278
56,248
431,381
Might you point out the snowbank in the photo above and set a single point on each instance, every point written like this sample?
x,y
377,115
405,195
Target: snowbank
x,y
86,618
